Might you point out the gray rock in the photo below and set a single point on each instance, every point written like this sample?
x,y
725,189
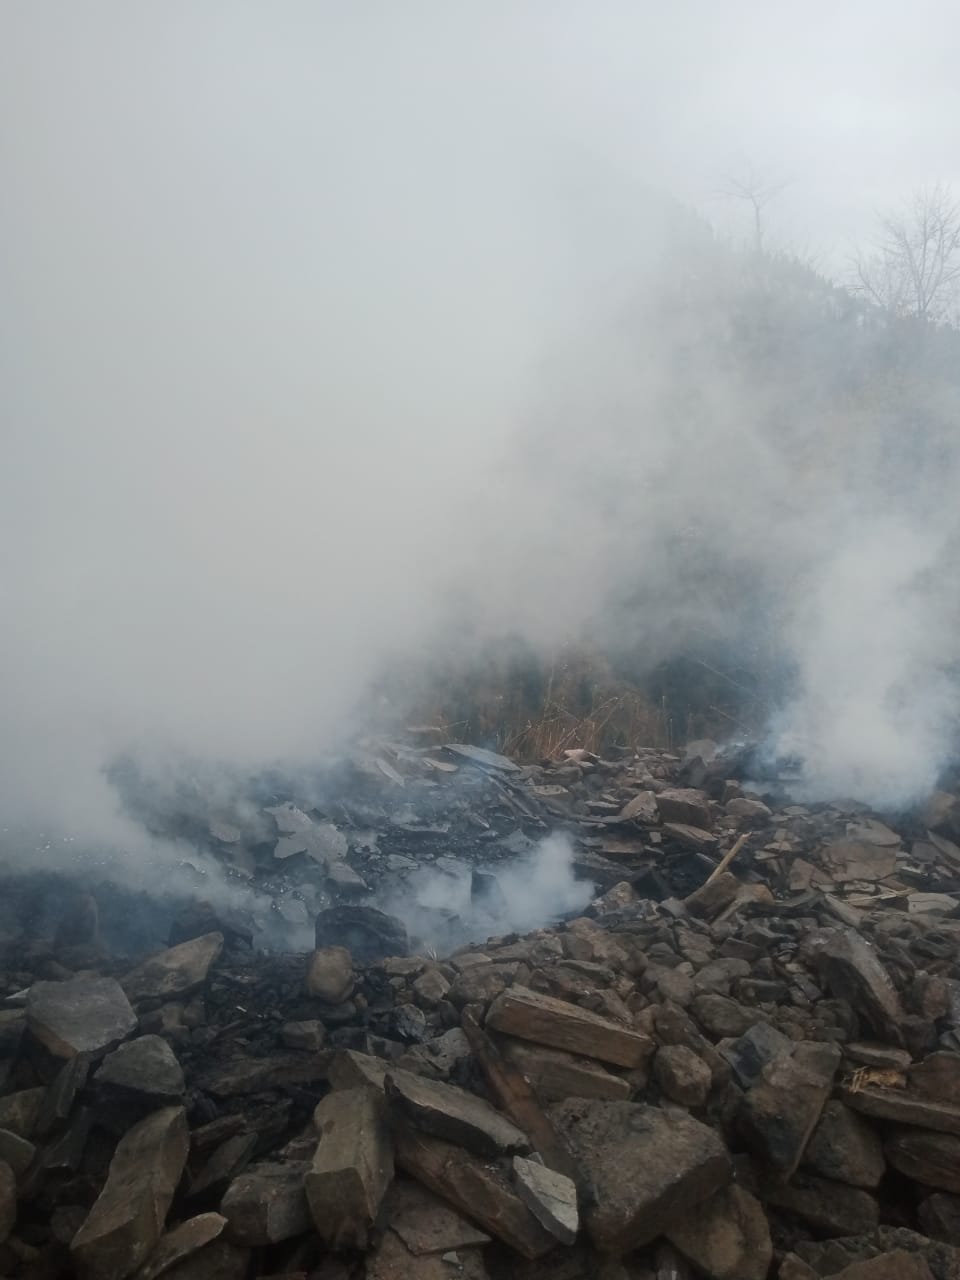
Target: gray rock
x,y
124,1225
310,1035
82,1015
726,1237
845,1148
16,1152
19,1111
180,1243
330,974
267,1204
780,1111
722,1017
178,971
687,806
648,1167
852,971
145,1068
939,1216
550,1197
932,1159
453,1114
681,1075
424,1223
352,1167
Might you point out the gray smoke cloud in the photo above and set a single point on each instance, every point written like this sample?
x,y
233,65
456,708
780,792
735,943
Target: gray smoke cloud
x,y
315,320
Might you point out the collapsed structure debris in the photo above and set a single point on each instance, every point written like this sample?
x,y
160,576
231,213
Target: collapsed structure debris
x,y
741,1060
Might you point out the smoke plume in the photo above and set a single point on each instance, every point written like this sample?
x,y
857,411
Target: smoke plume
x,y
329,332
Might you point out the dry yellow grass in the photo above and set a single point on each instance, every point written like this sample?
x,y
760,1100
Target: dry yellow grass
x,y
571,701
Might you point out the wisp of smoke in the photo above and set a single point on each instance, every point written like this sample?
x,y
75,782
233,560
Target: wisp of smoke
x,y
876,711
443,910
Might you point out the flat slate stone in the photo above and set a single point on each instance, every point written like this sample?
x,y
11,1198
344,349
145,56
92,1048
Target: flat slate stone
x,y
82,1015
352,1167
477,1188
528,1015
453,1114
124,1225
424,1223
551,1198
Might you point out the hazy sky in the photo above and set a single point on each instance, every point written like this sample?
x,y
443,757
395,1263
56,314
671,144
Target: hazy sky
x,y
854,102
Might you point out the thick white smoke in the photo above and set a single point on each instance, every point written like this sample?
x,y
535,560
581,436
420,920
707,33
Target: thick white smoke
x,y
315,319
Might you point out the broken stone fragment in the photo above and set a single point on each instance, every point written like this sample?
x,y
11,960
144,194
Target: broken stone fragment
x,y
681,1075
685,805
898,1265
904,1108
19,1111
477,1188
430,988
255,1075
479,984
721,1017
393,1260
642,808
453,1115
648,1167
845,1148
226,1161
424,1223
828,1208
852,971
846,860
82,1015
330,974
180,1243
218,1260
125,1223
745,807
939,1217
8,1201
16,1152
695,837
938,1077
352,1167
780,1111
343,879
310,1035
267,1204
932,1159
351,1069
556,1075
551,1198
178,971
727,1237
544,1020
145,1068
713,897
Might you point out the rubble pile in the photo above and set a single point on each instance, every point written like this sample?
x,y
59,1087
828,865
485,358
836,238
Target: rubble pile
x,y
741,1061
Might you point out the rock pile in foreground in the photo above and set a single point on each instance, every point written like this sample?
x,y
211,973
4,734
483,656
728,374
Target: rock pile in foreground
x,y
761,1079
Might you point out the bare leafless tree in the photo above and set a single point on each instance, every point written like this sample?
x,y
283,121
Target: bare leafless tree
x,y
914,266
755,187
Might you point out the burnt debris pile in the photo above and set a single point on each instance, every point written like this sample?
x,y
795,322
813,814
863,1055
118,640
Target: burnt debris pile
x,y
738,1059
